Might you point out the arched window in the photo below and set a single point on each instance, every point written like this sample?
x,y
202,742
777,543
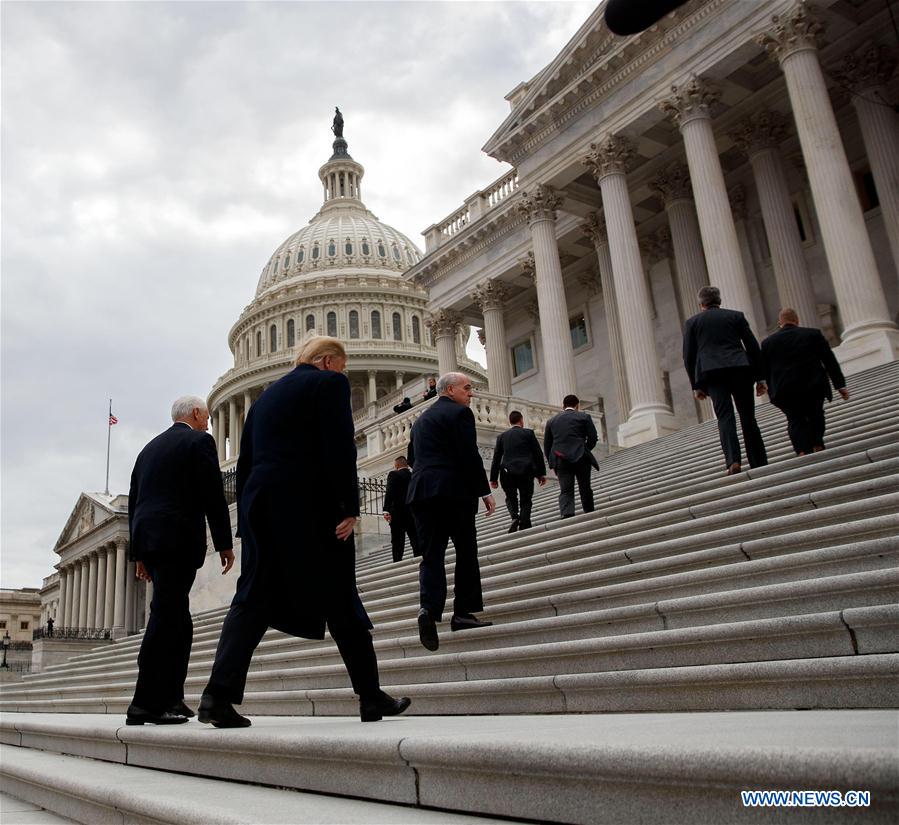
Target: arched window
x,y
332,248
301,255
357,398
332,324
348,247
273,339
366,249
316,251
246,347
287,261
258,343
396,252
354,324
397,327
382,252
274,266
291,334
376,324
416,330
310,322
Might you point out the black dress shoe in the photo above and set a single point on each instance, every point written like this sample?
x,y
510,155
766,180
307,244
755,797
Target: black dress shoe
x,y
427,630
139,716
220,713
373,710
182,710
465,621
513,527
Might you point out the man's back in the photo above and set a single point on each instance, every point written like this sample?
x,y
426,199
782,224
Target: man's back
x,y
569,436
517,452
797,361
396,490
717,339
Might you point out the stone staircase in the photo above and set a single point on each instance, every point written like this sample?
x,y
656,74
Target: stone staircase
x,y
718,597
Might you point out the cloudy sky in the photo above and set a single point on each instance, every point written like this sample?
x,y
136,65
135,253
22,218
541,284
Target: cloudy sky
x,y
153,156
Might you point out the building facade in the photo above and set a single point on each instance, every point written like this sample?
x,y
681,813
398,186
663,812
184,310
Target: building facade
x,y
750,145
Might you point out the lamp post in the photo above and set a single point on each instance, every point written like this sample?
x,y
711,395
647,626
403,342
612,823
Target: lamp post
x,y
5,648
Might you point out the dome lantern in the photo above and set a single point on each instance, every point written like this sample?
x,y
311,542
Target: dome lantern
x,y
341,176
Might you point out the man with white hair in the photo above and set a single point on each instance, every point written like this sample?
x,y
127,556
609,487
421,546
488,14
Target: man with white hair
x,y
176,486
448,478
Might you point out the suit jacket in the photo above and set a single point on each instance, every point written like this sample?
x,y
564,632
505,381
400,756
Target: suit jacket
x,y
719,339
798,362
296,480
443,454
395,494
569,436
176,486
518,453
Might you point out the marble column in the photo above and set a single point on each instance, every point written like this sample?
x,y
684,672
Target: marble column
x,y
63,599
672,187
490,297
148,601
372,386
109,604
73,586
444,325
247,403
233,430
100,607
595,229
689,108
759,137
866,73
130,592
400,379
82,596
91,591
539,206
869,336
220,437
121,572
649,416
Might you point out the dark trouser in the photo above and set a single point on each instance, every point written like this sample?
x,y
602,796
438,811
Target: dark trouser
x,y
567,473
514,487
805,422
736,384
438,520
165,649
243,629
402,523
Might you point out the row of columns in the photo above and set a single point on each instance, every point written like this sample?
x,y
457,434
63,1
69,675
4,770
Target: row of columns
x,y
704,236
98,590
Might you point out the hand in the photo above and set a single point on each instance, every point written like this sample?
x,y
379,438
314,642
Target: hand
x,y
844,393
761,388
141,572
699,395
227,557
490,502
494,485
542,480
345,529
387,517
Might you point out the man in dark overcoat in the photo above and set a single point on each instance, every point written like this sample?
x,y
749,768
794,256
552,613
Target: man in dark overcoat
x,y
298,501
176,487
799,368
448,478
396,511
568,442
517,461
723,360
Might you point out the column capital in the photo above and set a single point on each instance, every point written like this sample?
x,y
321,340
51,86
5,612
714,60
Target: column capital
x,y
594,227
737,197
590,281
444,322
867,68
529,267
532,308
657,245
798,30
672,184
610,156
690,101
540,204
482,337
765,129
491,294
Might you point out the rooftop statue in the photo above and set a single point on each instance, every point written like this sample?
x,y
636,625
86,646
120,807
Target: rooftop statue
x,y
337,126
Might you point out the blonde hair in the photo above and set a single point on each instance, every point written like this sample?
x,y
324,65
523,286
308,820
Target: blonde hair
x,y
317,348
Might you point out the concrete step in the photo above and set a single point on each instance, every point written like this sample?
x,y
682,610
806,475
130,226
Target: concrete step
x,y
621,768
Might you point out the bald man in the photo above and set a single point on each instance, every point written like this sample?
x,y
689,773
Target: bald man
x,y
799,368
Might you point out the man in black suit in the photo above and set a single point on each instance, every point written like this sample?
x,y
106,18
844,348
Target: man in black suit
x,y
396,511
517,461
176,486
448,478
799,368
723,360
431,391
568,440
405,404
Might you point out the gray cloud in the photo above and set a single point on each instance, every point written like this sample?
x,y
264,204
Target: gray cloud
x,y
154,154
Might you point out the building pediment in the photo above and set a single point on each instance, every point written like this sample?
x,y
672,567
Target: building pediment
x,y
90,512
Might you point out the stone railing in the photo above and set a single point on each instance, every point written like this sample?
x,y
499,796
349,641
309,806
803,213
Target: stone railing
x,y
475,207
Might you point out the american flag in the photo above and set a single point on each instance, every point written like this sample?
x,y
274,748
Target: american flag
x,y
113,420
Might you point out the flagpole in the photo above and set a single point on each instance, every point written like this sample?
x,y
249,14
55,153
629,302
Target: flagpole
x,y
108,438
